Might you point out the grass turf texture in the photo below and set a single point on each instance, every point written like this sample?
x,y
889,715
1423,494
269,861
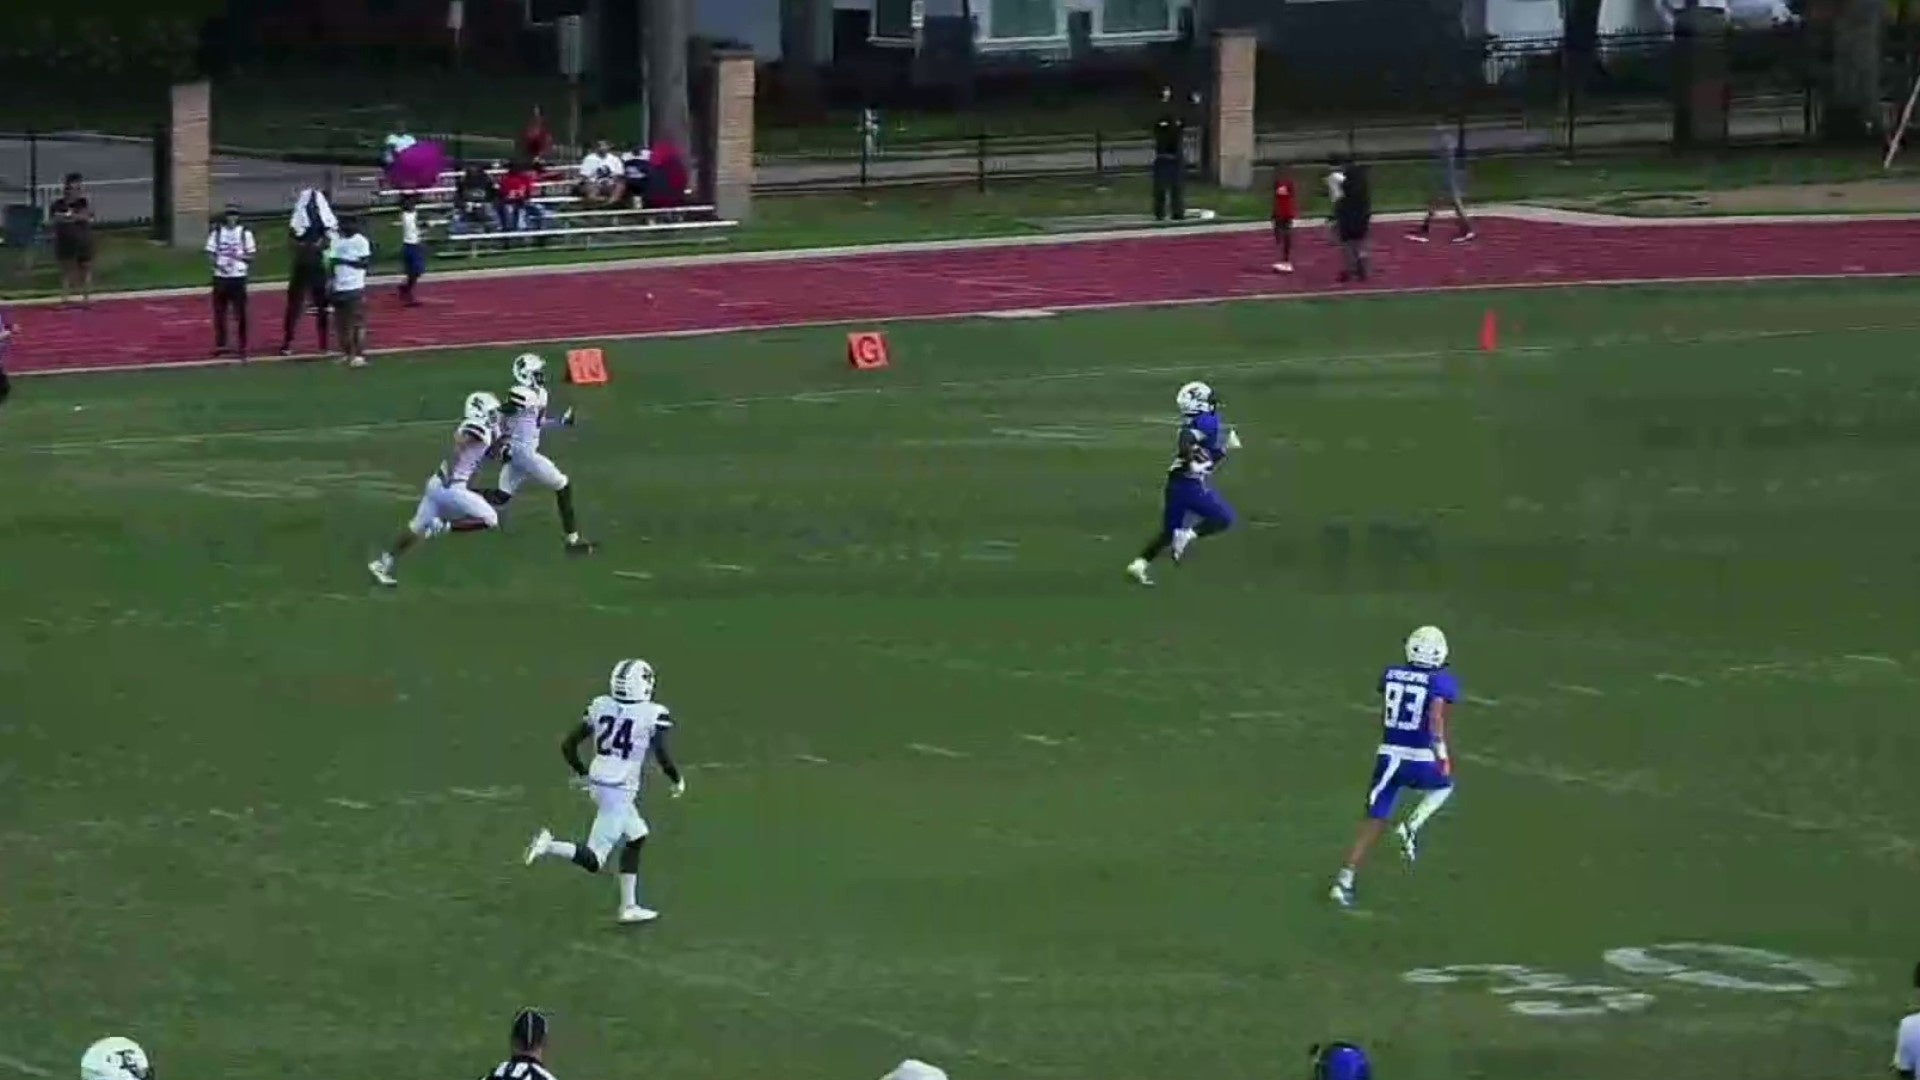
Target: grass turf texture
x,y
957,790
127,259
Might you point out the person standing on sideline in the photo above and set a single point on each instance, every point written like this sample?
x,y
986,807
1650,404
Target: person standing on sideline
x,y
1906,1047
413,254
7,330
1286,207
1450,167
313,226
347,262
526,1049
1169,161
1352,217
72,216
231,247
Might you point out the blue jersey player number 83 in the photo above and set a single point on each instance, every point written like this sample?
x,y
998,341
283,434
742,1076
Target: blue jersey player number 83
x,y
1190,507
1415,699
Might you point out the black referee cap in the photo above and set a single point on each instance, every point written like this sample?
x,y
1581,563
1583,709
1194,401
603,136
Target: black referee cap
x,y
529,1029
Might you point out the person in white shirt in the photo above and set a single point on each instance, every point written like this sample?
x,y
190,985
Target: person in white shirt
x,y
413,253
601,175
347,262
231,247
1906,1046
397,143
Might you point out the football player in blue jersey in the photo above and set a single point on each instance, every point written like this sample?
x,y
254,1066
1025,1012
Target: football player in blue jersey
x,y
1190,508
1417,699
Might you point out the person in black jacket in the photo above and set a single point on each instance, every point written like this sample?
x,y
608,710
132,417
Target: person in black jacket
x,y
313,226
1352,216
1169,161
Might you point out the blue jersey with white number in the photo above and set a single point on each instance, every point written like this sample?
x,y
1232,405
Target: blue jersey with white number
x,y
1202,447
1406,691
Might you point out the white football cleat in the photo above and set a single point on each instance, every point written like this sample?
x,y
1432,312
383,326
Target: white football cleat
x,y
357,362
383,573
1342,895
1137,570
539,846
1283,268
637,914
1182,538
1409,846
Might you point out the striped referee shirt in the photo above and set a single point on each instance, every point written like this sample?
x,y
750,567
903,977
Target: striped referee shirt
x,y
520,1067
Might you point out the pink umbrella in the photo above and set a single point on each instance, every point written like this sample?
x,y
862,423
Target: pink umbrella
x,y
418,166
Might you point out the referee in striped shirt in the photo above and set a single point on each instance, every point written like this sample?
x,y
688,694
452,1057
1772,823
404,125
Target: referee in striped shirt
x,y
528,1044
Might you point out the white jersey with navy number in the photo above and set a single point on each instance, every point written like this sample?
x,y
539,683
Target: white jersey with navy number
x,y
623,732
524,417
470,445
1407,692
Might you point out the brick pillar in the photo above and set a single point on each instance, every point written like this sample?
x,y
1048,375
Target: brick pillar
x,y
1230,112
190,164
731,133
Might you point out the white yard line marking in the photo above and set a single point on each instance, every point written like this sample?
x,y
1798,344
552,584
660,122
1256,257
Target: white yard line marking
x,y
636,575
8,1061
812,759
1872,658
931,750
349,804
1670,677
727,567
1577,688
1043,740
1485,702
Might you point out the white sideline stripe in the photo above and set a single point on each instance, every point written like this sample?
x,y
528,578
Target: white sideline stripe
x,y
1069,308
1518,212
8,1061
802,397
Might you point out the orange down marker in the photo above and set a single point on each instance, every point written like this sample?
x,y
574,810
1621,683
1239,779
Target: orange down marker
x,y
586,367
867,350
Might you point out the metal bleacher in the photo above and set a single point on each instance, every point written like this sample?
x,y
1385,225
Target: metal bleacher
x,y
567,221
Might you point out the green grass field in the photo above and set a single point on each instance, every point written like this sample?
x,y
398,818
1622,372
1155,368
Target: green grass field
x,y
957,790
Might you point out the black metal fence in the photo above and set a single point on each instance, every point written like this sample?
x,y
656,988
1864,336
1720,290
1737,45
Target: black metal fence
x,y
276,132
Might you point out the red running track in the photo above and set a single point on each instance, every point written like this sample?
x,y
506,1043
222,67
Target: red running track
x,y
141,332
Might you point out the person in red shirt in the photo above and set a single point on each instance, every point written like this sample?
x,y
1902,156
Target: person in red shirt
x,y
517,209
536,142
1286,207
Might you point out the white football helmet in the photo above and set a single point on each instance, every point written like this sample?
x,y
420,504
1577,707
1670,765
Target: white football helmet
x,y
529,370
1194,398
483,407
115,1058
1427,647
632,681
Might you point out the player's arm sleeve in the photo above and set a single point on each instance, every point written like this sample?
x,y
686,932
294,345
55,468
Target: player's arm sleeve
x,y
1445,687
1903,1049
570,747
663,755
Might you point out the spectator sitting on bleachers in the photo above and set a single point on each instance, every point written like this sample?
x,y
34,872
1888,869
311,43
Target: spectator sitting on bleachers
x,y
475,196
536,141
600,176
517,188
637,166
396,143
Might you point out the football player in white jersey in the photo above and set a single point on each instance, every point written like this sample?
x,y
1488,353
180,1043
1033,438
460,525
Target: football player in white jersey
x,y
115,1058
447,502
524,419
625,727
